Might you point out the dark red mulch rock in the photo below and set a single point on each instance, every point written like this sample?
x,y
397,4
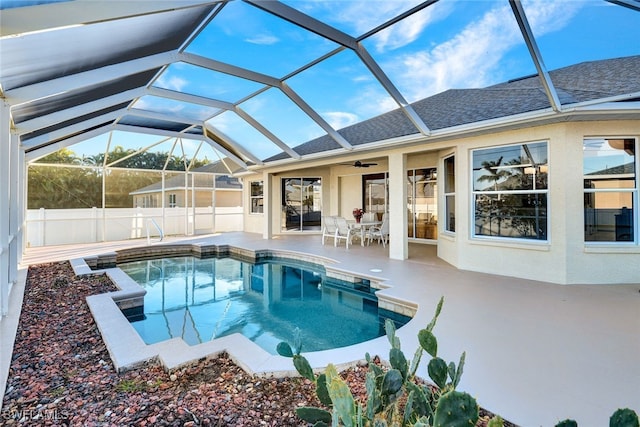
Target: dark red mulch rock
x,y
61,373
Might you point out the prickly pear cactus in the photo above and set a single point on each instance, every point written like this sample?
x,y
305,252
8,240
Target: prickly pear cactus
x,y
456,409
624,418
314,415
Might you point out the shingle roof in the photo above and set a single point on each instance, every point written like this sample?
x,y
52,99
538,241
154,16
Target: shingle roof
x,y
626,169
577,83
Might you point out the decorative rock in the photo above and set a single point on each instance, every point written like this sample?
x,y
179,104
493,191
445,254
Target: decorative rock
x,y
61,365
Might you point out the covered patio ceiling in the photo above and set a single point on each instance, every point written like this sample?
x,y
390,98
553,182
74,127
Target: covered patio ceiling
x,y
255,79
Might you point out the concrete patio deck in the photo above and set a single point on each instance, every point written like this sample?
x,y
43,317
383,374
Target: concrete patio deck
x,y
537,353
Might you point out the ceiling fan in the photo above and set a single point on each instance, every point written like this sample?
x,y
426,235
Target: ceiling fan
x,y
359,164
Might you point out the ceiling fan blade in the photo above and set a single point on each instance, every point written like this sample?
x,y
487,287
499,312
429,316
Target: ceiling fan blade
x,y
358,164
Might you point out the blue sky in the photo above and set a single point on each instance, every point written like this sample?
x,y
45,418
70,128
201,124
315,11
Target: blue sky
x,y
451,44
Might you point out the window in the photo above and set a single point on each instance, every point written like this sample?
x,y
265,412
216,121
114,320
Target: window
x,y
422,196
610,189
172,200
375,190
510,191
257,197
450,193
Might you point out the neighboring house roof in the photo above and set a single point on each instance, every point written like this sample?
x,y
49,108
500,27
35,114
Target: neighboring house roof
x,y
202,182
626,169
223,167
577,83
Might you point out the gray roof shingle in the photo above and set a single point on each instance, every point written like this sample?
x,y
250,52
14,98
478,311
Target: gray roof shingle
x,y
576,83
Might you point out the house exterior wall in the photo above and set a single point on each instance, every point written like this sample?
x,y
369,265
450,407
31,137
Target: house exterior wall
x,y
564,258
224,198
350,195
228,198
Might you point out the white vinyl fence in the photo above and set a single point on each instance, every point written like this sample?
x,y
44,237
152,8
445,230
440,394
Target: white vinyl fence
x,y
46,227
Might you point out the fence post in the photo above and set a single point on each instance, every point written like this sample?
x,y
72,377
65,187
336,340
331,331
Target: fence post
x,y
43,225
94,223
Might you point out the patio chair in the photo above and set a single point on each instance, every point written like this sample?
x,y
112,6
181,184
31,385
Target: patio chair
x,y
329,227
380,233
343,231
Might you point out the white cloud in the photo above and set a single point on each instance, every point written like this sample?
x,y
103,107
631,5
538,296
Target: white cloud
x,y
372,100
546,17
263,39
409,29
340,119
472,57
221,122
362,78
173,83
361,16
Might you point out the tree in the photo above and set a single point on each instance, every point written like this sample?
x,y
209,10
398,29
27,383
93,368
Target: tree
x,y
69,186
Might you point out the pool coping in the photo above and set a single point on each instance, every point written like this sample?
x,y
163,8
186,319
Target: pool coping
x,y
128,351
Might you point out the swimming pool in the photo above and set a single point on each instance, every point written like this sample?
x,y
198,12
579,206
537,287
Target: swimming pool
x,y
200,299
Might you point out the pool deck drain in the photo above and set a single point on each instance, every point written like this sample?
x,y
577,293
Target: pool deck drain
x,y
128,350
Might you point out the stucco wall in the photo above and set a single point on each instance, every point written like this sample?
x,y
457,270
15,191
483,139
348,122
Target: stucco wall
x,y
564,258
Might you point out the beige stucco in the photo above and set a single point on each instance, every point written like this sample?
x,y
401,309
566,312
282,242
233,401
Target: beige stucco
x,y
565,258
203,198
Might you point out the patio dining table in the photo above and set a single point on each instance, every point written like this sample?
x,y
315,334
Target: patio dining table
x,y
363,226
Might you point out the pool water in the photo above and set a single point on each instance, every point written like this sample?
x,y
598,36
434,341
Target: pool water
x,y
199,300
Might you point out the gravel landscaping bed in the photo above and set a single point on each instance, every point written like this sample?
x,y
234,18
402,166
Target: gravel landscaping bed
x,y
61,373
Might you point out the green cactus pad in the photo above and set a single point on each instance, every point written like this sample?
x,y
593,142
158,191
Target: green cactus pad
x,y
428,342
344,406
624,418
303,367
392,382
284,349
420,401
456,409
399,362
567,423
390,329
437,370
321,390
313,415
496,421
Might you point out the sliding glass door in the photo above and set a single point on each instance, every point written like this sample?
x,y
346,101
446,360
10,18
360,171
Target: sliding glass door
x,y
301,204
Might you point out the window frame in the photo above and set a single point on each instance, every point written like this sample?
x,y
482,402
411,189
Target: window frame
x,y
449,226
173,200
545,192
418,227
634,191
258,197
304,206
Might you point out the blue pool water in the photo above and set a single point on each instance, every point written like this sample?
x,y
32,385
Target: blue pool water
x,y
268,302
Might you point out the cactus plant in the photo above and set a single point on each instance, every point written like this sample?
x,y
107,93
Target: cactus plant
x,y
621,418
424,406
624,418
456,409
